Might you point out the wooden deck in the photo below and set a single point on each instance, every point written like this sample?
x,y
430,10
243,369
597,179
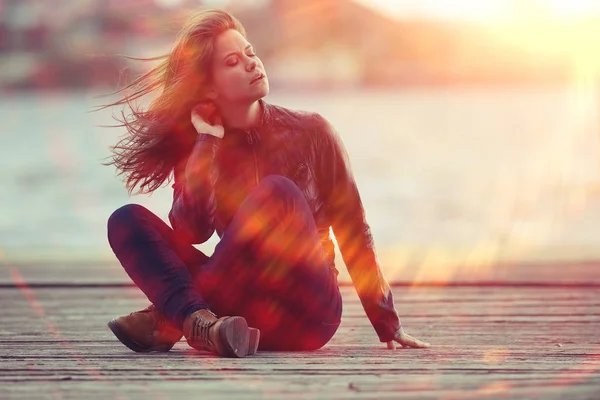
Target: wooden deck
x,y
501,341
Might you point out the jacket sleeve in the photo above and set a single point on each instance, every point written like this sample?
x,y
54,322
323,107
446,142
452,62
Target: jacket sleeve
x,y
347,217
193,211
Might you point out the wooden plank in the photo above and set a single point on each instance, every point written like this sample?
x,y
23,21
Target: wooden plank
x,y
497,342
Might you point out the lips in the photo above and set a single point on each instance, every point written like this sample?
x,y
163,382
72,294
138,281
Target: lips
x,y
257,78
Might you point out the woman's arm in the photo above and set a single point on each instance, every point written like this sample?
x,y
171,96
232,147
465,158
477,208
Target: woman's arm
x,y
193,210
352,232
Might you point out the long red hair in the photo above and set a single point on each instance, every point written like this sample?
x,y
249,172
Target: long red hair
x,y
161,137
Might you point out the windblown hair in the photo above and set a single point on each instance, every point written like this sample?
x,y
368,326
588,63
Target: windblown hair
x,y
161,137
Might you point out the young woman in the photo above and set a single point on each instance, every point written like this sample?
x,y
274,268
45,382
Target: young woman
x,y
270,181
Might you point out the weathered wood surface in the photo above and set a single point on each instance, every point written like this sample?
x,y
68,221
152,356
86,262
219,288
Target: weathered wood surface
x,y
494,342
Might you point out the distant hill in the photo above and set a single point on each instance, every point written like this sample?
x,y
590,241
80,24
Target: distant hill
x,y
308,44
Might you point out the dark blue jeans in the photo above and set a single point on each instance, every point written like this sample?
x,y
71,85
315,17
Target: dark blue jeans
x,y
268,267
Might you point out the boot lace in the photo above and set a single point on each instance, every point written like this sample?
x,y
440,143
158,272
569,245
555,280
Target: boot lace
x,y
200,331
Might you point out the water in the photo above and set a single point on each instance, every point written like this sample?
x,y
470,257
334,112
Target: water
x,y
464,171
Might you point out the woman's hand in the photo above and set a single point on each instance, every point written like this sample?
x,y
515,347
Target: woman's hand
x,y
406,340
206,120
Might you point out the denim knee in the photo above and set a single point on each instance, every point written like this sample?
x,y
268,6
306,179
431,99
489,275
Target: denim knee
x,y
280,186
123,221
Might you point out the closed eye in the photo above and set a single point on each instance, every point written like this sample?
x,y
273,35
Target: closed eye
x,y
249,50
233,61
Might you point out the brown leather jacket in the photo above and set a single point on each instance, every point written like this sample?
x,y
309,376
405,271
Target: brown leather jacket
x,y
305,148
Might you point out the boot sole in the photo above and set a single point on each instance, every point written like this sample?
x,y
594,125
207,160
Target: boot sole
x,y
132,344
237,339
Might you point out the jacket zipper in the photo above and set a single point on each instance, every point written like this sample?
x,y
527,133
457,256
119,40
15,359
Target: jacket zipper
x,y
251,142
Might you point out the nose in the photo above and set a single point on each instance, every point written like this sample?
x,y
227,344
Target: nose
x,y
251,65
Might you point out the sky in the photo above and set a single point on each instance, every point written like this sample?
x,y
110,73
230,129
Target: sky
x,y
488,10
546,28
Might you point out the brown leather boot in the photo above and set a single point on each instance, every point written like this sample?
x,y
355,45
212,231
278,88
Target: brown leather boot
x,y
145,331
225,336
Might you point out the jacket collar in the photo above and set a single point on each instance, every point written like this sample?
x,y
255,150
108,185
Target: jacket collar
x,y
267,114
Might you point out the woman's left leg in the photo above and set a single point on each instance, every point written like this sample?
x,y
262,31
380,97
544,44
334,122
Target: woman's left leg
x,y
270,268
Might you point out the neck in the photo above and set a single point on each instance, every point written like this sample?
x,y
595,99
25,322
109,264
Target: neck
x,y
241,116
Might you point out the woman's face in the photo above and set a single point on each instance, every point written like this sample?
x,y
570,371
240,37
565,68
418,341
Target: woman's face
x,y
238,74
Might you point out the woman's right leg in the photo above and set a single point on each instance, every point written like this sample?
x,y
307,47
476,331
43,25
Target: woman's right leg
x,y
157,261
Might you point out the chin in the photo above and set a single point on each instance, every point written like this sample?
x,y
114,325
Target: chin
x,y
259,94
265,92
263,89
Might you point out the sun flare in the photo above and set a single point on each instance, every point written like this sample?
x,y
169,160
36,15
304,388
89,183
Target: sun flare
x,y
551,31
488,10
